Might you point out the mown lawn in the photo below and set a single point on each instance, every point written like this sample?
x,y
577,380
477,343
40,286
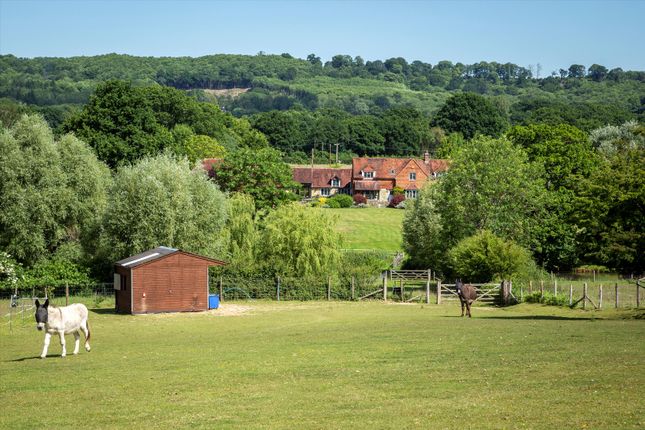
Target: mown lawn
x,y
334,365
370,228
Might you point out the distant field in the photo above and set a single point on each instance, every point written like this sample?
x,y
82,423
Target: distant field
x,y
371,228
333,365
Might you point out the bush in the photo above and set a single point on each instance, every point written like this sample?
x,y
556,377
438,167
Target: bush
x,y
343,200
485,257
395,200
333,203
319,202
396,191
360,199
547,299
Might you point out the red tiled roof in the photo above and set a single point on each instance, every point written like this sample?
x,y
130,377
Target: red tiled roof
x,y
438,166
321,177
367,186
383,167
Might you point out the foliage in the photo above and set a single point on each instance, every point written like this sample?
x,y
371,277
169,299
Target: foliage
x,y
124,123
242,234
485,257
396,200
259,173
160,201
492,186
364,266
359,199
343,200
297,240
547,298
56,272
470,114
51,191
10,272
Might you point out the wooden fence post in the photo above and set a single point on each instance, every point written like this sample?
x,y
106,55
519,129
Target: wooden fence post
x,y
616,287
541,288
221,290
439,292
277,288
428,287
600,297
584,297
638,295
401,289
570,294
385,286
555,287
329,288
352,287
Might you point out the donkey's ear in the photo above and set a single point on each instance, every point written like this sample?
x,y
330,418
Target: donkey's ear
x,y
46,303
37,303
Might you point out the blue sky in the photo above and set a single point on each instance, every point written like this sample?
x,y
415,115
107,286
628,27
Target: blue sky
x,y
554,34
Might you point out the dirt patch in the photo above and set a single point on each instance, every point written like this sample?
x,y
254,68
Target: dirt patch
x,y
227,92
231,310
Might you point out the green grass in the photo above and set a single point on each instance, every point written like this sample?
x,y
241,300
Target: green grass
x,y
370,228
334,365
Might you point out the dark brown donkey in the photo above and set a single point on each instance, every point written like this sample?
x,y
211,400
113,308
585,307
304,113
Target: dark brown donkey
x,y
467,295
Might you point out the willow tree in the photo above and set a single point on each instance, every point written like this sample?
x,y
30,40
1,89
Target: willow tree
x,y
161,201
51,191
300,241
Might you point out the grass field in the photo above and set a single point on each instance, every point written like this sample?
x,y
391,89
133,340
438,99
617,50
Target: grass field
x,y
370,228
334,365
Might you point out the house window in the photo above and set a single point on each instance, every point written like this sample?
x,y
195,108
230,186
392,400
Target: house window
x,y
325,191
411,194
368,175
335,182
413,176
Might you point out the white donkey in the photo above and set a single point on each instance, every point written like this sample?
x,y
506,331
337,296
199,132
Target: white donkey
x,y
62,321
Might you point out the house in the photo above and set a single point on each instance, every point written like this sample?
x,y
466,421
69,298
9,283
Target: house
x,y
162,280
323,182
375,178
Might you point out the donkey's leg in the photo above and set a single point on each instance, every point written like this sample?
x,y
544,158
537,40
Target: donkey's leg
x,y
85,326
61,333
77,341
468,307
462,307
48,337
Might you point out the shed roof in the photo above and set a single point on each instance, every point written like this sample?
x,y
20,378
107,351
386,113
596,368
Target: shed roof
x,y
155,254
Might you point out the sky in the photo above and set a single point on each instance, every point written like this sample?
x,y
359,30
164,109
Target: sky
x,y
554,34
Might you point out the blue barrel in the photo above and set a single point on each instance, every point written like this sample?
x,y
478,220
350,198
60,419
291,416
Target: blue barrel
x,y
213,301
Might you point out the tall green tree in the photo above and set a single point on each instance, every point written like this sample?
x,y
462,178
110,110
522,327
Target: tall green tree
x,y
300,241
259,173
161,201
491,185
470,114
51,191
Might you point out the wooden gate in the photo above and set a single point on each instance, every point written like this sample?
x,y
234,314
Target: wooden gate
x,y
487,293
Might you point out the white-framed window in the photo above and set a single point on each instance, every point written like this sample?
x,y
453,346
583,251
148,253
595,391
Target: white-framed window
x,y
368,175
335,182
413,176
325,191
411,194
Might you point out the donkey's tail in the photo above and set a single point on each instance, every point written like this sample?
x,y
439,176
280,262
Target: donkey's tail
x,y
87,325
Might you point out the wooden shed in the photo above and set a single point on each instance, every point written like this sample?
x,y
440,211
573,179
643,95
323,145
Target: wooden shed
x,y
162,280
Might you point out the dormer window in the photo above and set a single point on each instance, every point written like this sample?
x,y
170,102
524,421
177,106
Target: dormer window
x,y
335,182
368,175
413,176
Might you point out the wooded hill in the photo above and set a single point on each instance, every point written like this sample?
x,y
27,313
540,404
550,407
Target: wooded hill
x,y
281,82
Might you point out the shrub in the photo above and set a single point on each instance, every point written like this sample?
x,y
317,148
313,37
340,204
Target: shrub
x,y
333,203
360,199
343,200
395,200
402,204
485,257
547,299
396,191
319,202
